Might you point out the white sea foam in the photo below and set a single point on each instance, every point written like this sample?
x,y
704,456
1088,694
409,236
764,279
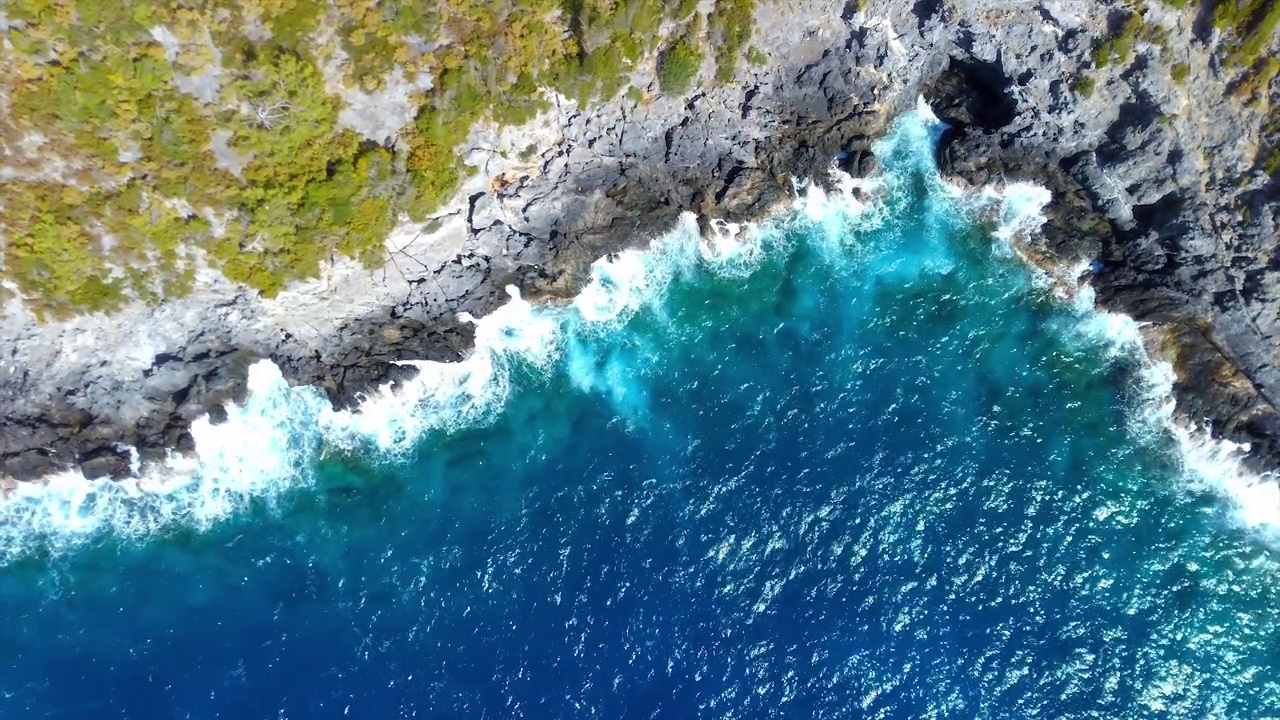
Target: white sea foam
x,y
849,196
1021,208
850,203
731,247
1120,334
620,284
272,442
623,282
447,395
1208,463
262,448
1217,465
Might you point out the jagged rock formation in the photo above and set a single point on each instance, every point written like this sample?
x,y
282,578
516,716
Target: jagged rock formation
x,y
1161,181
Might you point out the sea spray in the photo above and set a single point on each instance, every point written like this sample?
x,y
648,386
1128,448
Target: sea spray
x,y
443,395
264,447
872,463
273,442
1216,465
1208,463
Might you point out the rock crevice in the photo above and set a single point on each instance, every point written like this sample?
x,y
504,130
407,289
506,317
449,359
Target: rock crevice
x,y
1152,179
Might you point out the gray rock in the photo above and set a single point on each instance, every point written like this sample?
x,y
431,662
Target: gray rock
x,y
1156,181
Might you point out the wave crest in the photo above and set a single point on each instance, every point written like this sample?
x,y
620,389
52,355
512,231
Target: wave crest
x,y
273,441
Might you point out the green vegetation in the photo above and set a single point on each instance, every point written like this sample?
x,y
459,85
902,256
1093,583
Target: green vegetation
x,y
611,36
1119,47
1085,86
684,8
1257,79
730,30
1249,25
1269,150
1248,28
679,62
118,191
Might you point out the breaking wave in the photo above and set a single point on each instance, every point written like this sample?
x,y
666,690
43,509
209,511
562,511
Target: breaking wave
x,y
272,444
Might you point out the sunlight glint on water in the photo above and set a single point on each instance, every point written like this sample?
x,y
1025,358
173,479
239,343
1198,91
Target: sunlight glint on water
x,y
856,460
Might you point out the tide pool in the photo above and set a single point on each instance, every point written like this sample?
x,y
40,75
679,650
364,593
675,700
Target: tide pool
x,y
857,461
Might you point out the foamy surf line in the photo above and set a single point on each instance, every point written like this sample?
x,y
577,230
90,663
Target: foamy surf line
x,y
270,445
1209,464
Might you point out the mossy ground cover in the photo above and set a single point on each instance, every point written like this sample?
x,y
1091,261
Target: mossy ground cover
x,y
118,193
1269,152
731,23
680,61
1119,46
1246,31
1248,26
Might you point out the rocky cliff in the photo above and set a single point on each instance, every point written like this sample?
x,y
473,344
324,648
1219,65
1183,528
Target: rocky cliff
x,y
1153,140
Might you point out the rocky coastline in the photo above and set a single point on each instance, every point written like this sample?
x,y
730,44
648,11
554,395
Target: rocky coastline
x,y
1156,180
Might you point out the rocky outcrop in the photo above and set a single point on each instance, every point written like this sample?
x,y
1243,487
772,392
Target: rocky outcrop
x,y
1155,180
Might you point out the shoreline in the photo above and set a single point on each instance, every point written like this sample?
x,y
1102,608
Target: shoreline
x,y
1157,352
254,456
609,178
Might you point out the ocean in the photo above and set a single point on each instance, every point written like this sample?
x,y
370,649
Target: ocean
x,y
857,460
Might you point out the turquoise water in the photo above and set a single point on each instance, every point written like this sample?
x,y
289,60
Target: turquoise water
x,y
856,462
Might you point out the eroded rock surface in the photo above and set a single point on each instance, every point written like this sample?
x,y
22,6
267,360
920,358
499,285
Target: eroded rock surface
x,y
1156,180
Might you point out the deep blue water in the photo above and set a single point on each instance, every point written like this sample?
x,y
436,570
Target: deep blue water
x,y
865,465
